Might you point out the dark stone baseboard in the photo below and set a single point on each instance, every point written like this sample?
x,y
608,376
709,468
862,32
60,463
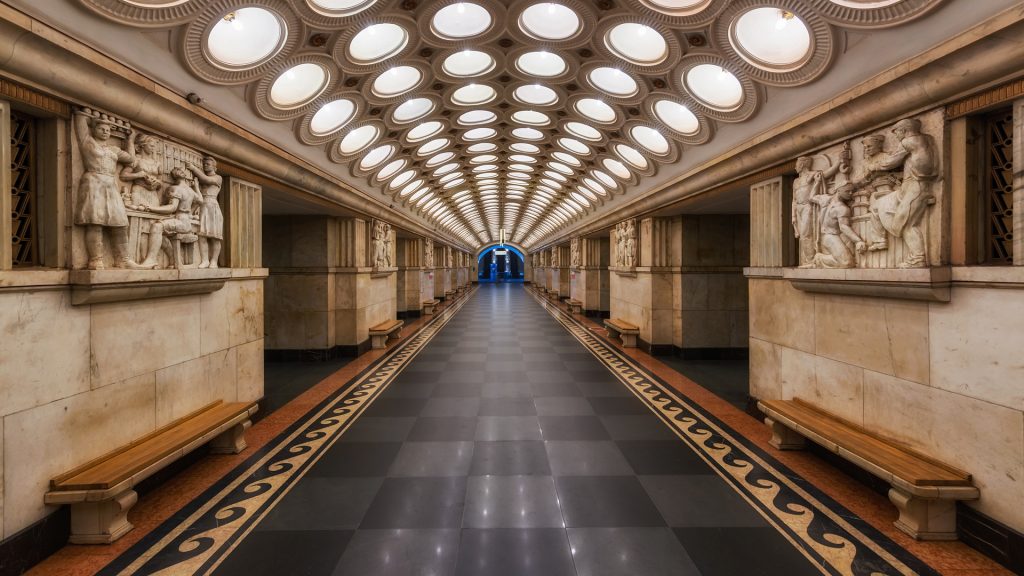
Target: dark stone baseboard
x,y
990,537
409,314
34,544
602,314
655,349
712,353
317,354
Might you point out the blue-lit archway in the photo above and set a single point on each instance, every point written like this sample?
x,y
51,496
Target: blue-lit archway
x,y
501,263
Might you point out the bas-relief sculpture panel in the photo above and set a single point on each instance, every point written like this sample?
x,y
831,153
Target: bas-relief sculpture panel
x,y
381,246
626,244
875,201
574,253
142,202
428,253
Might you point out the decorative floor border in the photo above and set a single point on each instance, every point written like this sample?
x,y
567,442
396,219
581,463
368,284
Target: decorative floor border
x,y
217,520
831,537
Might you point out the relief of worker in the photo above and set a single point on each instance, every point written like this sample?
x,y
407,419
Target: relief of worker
x,y
180,197
838,241
808,185
211,219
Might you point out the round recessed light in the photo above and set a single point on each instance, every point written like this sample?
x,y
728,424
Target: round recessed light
x,y
480,134
439,159
391,169
613,81
573,145
771,38
433,146
482,147
582,130
245,37
531,117
567,158
637,43
550,21
461,20
536,95
468,63
298,85
377,156
632,156
541,64
678,7
340,7
412,109
377,42
332,116
473,94
528,134
596,110
401,179
524,148
397,80
650,139
676,116
714,86
359,139
617,168
424,131
476,117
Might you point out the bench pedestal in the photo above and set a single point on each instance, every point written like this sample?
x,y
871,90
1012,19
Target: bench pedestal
x,y
232,441
101,522
628,336
428,307
784,438
924,518
575,306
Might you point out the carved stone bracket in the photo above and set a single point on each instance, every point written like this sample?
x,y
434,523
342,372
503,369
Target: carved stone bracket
x,y
928,284
102,286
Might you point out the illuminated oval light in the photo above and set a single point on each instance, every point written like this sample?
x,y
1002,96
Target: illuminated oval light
x,y
377,156
528,133
652,140
439,159
391,169
573,145
482,147
549,21
484,159
676,116
424,130
679,7
340,7
468,63
473,94
332,116
480,134
475,117
359,139
596,110
432,146
531,117
377,42
522,158
298,85
541,64
617,168
245,37
413,109
410,187
536,95
402,179
461,20
582,130
631,155
567,158
397,80
613,81
637,43
524,148
771,38
714,86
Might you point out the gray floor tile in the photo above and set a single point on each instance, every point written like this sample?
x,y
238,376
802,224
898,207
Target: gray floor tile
x,y
369,429
356,459
511,502
400,553
451,406
495,428
605,501
510,458
507,407
629,552
563,406
323,504
417,503
429,429
700,501
586,458
572,428
433,459
515,552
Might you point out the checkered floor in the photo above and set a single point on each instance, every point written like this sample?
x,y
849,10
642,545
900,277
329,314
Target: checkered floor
x,y
505,447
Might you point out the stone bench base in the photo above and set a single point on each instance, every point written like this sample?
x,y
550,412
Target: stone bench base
x,y
624,330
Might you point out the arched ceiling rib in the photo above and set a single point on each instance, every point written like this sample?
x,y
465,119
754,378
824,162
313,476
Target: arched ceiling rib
x,y
524,115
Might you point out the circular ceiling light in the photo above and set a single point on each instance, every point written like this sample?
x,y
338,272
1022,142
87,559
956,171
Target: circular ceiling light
x,y
439,159
605,179
377,42
613,81
473,94
476,117
461,20
340,7
637,43
468,63
536,95
678,7
541,64
567,158
298,85
446,168
550,21
332,116
432,146
531,117
522,158
391,169
424,131
524,148
244,37
617,168
714,86
410,187
528,134
484,159
482,147
596,110
650,139
676,116
412,109
401,179
582,130
632,156
771,38
397,80
480,134
359,139
573,145
377,156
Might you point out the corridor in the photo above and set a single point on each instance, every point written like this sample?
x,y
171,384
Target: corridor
x,y
502,446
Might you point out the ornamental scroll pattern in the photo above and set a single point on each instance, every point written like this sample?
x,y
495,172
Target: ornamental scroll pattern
x,y
626,244
143,202
873,204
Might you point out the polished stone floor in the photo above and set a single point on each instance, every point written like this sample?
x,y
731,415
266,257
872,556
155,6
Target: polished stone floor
x,y
506,447
283,381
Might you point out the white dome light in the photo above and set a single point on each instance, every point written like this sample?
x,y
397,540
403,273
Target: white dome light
x,y
433,146
480,134
566,158
676,116
402,178
573,145
461,20
439,159
536,95
522,158
524,148
650,139
613,81
596,110
377,42
771,38
678,7
245,37
340,7
359,139
396,81
376,156
637,43
541,64
584,131
617,168
549,21
446,168
468,63
631,155
473,94
528,133
484,159
482,147
715,86
391,169
531,117
413,109
605,179
298,85
474,117
331,117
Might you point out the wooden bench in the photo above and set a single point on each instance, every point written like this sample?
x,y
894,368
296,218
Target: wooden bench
x,y
429,305
101,492
923,490
621,329
380,333
575,306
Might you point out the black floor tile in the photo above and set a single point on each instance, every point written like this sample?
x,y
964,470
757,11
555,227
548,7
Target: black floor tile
x,y
320,503
429,429
700,501
605,501
396,407
433,459
572,428
587,458
749,551
638,428
509,458
400,553
629,552
297,553
662,457
619,406
452,406
356,459
511,502
417,503
562,406
507,407
370,429
515,552
497,428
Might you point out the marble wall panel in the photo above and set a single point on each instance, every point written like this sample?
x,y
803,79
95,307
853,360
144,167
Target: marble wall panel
x,y
34,326
48,440
249,370
183,388
765,366
245,317
781,314
214,310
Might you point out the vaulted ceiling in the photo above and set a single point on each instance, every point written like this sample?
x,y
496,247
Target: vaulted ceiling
x,y
523,116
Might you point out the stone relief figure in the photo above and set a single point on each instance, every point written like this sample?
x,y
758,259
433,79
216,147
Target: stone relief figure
x,y
809,184
100,205
574,252
211,219
625,244
447,256
144,174
428,253
180,199
381,237
838,241
898,210
555,259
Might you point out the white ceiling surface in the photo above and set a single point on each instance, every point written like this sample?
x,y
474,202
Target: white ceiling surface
x,y
859,57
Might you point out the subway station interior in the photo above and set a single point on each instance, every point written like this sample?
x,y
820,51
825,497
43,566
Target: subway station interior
x,y
512,287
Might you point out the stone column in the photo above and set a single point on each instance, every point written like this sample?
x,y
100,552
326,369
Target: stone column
x,y
646,266
364,292
243,222
589,279
771,243
1018,183
442,273
409,278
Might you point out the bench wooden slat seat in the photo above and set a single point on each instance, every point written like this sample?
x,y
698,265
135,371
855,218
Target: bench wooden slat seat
x,y
429,305
379,334
622,329
575,306
924,490
101,492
